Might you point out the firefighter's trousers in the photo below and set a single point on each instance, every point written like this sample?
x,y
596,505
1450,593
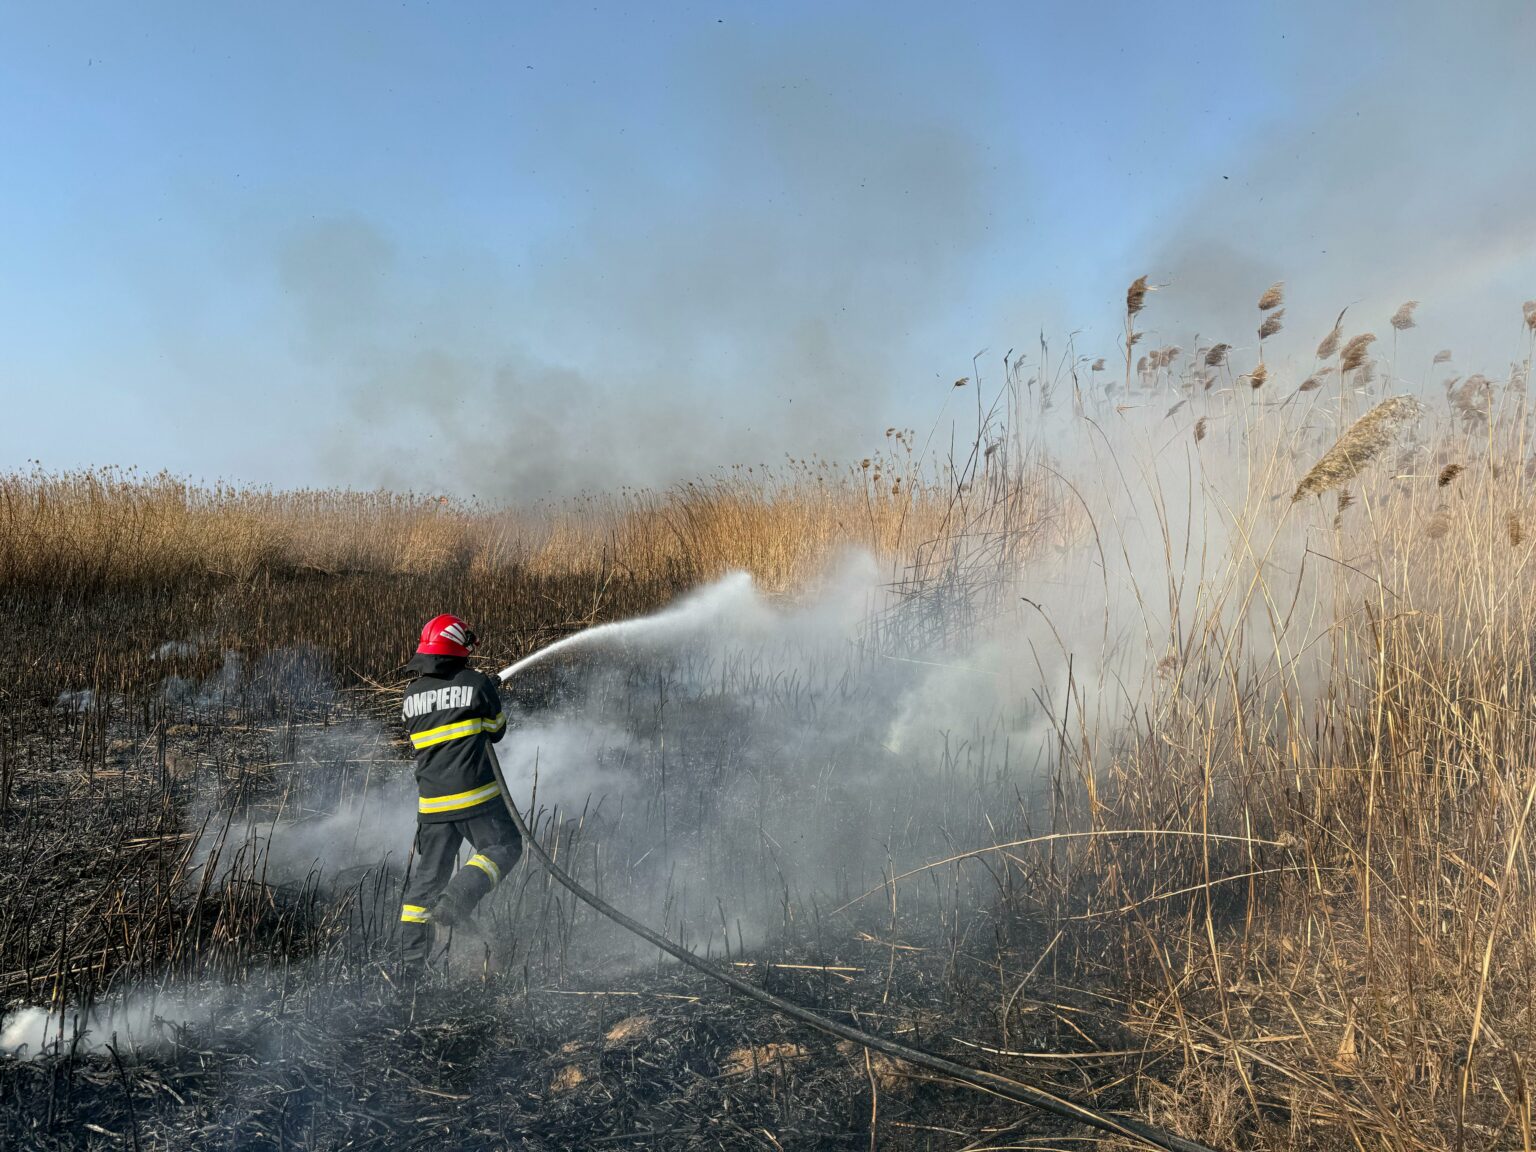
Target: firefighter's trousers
x,y
434,888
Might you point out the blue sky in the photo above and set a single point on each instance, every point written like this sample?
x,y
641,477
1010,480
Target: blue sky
x,y
429,245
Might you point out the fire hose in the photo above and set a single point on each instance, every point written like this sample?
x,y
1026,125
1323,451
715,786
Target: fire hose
x,y
991,1082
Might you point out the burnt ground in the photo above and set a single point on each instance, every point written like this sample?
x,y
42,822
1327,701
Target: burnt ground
x,y
240,1007
666,1064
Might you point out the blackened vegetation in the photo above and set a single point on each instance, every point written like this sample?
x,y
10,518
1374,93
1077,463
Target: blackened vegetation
x,y
350,1063
245,1001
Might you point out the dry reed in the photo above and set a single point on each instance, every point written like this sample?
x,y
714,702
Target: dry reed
x,y
1330,342
1354,351
107,528
1402,319
1136,295
1361,443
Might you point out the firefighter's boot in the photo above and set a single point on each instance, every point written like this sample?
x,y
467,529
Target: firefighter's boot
x,y
454,909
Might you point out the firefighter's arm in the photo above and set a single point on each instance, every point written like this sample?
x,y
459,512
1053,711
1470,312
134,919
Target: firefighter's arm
x,y
491,709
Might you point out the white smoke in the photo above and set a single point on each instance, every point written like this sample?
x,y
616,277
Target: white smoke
x,y
741,749
321,827
129,1023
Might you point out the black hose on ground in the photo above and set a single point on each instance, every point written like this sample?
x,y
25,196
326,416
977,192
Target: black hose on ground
x,y
986,1081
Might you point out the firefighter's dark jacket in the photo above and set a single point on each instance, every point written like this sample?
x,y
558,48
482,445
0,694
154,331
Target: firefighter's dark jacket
x,y
453,715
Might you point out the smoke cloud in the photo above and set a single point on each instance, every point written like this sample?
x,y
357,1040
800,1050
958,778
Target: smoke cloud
x,y
1407,182
730,755
317,831
141,1019
688,321
793,288
723,758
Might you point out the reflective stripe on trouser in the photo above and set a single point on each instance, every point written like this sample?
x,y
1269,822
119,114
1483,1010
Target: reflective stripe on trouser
x,y
415,914
433,880
483,862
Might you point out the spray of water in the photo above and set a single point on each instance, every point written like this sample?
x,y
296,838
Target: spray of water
x,y
731,596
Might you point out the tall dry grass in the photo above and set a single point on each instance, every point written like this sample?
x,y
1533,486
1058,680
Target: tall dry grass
x,y
105,528
101,568
1346,688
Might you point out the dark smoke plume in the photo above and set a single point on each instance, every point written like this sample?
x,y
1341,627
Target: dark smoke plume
x,y
765,302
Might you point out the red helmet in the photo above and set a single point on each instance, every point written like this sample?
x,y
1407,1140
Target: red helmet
x,y
446,636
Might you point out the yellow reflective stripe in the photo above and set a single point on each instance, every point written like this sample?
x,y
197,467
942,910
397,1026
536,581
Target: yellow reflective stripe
x,y
455,731
415,914
458,730
486,865
458,800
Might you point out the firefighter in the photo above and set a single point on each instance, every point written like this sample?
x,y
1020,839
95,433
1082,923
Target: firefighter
x,y
453,714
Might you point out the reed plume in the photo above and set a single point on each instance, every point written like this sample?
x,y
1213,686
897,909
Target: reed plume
x,y
1515,528
1330,343
1472,401
1272,324
1311,384
1354,351
1442,357
1200,429
1361,443
1402,319
1273,296
1257,377
1136,295
1449,473
1217,356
